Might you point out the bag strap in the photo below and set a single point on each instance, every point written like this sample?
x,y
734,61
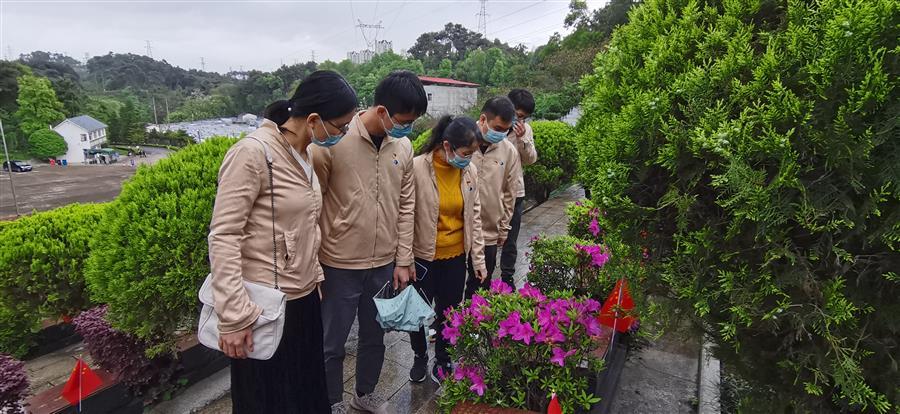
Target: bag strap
x,y
272,197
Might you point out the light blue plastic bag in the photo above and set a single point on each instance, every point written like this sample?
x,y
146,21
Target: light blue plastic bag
x,y
403,311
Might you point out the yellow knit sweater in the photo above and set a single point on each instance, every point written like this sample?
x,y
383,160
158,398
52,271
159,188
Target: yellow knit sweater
x,y
449,242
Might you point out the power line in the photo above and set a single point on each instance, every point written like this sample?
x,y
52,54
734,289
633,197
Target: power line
x,y
517,11
527,21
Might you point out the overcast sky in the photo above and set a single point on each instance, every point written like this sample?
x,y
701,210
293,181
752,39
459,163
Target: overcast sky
x,y
256,34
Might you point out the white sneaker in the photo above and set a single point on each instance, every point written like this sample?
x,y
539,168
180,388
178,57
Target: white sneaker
x,y
339,408
369,403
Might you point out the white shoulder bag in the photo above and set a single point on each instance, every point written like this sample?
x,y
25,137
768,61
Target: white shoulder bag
x,y
269,326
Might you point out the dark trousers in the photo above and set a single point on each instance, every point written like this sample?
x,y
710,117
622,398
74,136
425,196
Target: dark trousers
x,y
293,380
490,261
443,285
347,296
509,254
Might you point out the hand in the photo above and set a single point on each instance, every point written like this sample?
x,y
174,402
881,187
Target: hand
x,y
237,344
402,276
500,242
519,129
481,274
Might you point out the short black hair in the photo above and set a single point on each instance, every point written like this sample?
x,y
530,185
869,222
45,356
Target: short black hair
x,y
323,92
401,92
499,106
522,99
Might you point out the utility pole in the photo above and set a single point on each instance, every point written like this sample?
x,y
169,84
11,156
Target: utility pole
x,y
149,50
482,19
202,64
155,119
9,166
167,113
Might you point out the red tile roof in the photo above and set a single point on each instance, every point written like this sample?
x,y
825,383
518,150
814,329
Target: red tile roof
x,y
445,81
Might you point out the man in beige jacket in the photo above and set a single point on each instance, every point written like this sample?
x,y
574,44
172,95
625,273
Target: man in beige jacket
x,y
497,163
367,230
522,138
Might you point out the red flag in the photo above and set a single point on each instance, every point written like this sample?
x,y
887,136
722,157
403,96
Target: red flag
x,y
81,383
617,305
554,407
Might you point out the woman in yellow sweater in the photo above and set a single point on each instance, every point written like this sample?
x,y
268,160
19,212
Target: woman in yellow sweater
x,y
447,229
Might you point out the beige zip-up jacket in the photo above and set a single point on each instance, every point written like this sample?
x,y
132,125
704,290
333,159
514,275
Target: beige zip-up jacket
x,y
498,186
369,200
240,233
428,206
527,154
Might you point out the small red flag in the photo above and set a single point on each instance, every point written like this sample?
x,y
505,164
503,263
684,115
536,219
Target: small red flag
x,y
554,407
616,306
81,383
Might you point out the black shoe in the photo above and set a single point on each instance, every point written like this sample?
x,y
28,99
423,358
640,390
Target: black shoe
x,y
436,376
419,370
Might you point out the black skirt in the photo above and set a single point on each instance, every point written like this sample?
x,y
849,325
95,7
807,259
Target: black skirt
x,y
293,380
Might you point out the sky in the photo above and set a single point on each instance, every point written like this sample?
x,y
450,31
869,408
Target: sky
x,y
259,35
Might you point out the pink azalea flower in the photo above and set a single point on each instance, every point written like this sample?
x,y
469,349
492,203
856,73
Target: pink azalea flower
x,y
523,333
545,317
457,319
461,372
478,385
497,286
530,291
591,305
591,325
559,356
441,375
594,227
509,324
550,335
451,334
579,203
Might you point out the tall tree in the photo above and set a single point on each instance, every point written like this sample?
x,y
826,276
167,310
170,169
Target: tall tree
x,y
453,42
38,106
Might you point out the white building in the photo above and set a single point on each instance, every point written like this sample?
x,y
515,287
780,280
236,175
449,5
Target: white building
x,y
81,133
449,96
363,56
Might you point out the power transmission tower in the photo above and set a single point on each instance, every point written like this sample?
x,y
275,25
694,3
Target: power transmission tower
x,y
87,57
362,28
202,64
149,50
313,55
482,18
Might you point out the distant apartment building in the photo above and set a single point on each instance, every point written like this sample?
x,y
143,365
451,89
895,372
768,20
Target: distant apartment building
x,y
449,96
363,56
82,134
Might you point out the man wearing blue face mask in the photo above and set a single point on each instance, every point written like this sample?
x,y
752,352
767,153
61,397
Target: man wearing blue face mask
x,y
497,163
368,205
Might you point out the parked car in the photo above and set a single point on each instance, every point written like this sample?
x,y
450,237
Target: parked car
x,y
17,166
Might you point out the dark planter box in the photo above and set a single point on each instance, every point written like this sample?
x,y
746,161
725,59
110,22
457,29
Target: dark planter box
x,y
52,338
196,362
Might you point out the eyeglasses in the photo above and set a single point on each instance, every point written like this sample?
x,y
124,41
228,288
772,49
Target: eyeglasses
x,y
343,129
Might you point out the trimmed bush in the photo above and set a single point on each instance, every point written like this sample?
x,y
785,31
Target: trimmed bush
x,y
46,143
420,141
13,385
757,141
154,254
42,270
557,150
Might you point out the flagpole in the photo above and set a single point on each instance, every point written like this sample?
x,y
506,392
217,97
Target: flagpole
x,y
80,374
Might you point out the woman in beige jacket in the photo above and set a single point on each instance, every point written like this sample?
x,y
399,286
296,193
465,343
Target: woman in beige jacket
x,y
252,241
447,229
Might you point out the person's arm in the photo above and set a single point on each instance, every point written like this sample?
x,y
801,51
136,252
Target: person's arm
x,y
240,182
477,252
405,223
525,147
321,161
510,189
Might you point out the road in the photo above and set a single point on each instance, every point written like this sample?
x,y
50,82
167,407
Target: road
x,y
49,187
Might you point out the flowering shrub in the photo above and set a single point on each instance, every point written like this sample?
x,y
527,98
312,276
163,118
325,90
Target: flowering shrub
x,y
569,263
513,349
124,355
13,385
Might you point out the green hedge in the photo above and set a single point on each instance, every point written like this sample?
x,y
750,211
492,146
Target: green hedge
x,y
557,150
41,270
153,256
420,141
757,141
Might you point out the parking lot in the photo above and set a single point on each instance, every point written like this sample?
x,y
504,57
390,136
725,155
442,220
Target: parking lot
x,y
49,187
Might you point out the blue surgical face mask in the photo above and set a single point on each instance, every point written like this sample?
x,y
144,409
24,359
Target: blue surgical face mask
x,y
494,136
397,130
458,161
330,140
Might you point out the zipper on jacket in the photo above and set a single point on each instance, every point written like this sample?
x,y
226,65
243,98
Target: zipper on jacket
x,y
377,199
